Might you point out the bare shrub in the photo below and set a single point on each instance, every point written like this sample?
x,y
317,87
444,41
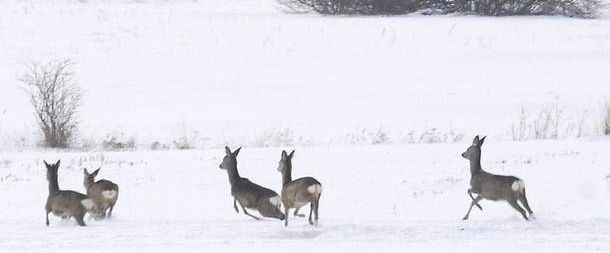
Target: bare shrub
x,y
521,130
570,8
549,122
278,138
118,142
606,119
56,98
186,141
435,135
365,136
380,136
544,126
157,145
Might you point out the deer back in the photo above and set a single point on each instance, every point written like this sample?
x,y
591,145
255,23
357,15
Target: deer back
x,y
249,193
103,192
68,203
494,187
302,190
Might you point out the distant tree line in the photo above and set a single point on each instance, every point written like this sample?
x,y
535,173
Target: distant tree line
x,y
570,8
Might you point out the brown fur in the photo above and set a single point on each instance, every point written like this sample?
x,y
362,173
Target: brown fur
x,y
95,191
247,193
490,186
65,204
299,192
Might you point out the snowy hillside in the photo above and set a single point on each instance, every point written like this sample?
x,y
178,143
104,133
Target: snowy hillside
x,y
242,73
206,70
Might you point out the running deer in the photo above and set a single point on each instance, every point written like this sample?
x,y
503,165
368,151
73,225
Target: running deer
x,y
493,187
104,194
249,194
65,204
299,192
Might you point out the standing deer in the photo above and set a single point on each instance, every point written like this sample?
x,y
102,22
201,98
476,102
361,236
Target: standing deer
x,y
104,193
299,192
65,204
249,194
493,187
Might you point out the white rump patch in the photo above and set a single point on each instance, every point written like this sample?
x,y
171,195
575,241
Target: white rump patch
x,y
276,201
315,189
109,194
518,186
87,203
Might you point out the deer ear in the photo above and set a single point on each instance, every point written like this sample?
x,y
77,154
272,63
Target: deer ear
x,y
482,140
236,151
475,142
291,155
95,172
284,154
58,163
46,164
227,150
85,172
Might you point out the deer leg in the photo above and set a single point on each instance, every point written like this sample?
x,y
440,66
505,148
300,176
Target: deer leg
x,y
316,209
246,212
311,207
523,200
286,212
296,213
103,213
110,211
235,205
513,203
471,197
80,219
47,216
474,202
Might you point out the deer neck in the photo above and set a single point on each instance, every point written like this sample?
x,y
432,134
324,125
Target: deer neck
x,y
475,165
88,183
53,185
287,176
233,174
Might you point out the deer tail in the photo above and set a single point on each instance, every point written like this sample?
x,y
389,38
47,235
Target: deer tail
x,y
518,186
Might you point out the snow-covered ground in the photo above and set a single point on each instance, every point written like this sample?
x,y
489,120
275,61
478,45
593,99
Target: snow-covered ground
x,y
236,71
375,198
241,72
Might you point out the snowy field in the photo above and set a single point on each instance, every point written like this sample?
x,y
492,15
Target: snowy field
x,y
241,72
375,198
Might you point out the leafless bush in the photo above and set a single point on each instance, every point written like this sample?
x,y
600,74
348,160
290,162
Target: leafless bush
x,y
521,130
435,135
545,125
278,138
571,8
606,119
157,145
549,122
187,141
118,142
365,136
56,98
380,136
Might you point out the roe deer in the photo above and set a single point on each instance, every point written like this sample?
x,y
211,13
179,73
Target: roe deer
x,y
249,194
490,186
299,192
65,204
104,194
